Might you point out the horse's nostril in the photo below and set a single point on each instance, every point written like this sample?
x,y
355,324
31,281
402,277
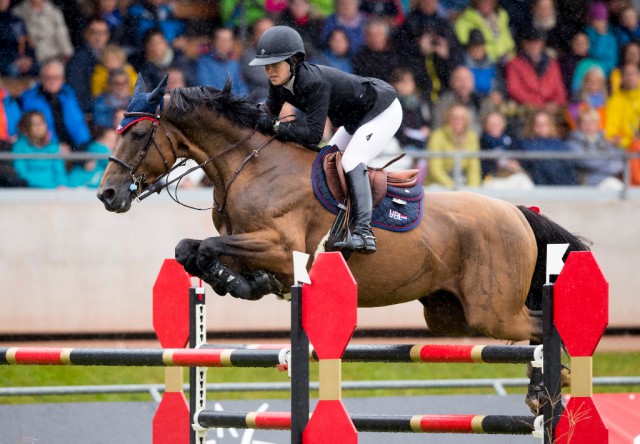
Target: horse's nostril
x,y
107,195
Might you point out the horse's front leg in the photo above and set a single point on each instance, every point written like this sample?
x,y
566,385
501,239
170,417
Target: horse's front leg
x,y
202,259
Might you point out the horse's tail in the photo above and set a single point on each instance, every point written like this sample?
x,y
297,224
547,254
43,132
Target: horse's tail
x,y
546,232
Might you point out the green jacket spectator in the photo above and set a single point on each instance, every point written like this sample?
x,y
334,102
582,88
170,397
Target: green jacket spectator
x,y
500,45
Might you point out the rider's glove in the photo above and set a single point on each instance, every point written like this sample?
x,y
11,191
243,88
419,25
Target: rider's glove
x,y
265,123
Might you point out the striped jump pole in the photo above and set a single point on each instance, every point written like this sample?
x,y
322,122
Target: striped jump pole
x,y
329,319
429,353
581,315
464,424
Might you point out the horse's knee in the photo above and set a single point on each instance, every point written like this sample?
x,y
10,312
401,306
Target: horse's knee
x,y
187,255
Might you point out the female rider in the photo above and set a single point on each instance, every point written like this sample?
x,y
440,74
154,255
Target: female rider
x,y
365,109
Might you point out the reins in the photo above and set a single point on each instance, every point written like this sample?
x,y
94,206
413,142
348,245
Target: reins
x,y
157,185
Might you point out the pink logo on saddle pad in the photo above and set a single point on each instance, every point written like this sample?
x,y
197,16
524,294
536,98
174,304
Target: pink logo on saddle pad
x,y
393,214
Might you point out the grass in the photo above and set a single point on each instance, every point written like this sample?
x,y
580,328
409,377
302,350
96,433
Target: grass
x,y
605,364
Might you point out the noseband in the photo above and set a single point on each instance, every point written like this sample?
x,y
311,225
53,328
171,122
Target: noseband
x,y
140,180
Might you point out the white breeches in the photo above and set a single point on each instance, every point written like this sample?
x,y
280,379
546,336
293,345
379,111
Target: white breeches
x,y
370,139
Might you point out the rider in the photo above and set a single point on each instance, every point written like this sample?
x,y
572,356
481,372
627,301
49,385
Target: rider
x,y
365,109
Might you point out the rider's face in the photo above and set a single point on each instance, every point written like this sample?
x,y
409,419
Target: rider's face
x,y
278,73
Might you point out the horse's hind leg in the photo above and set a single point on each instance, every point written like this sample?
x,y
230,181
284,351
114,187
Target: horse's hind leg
x,y
444,314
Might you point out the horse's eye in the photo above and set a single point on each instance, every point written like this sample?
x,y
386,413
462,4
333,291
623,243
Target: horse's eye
x,y
138,135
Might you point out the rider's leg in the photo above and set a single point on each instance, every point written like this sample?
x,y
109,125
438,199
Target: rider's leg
x,y
365,144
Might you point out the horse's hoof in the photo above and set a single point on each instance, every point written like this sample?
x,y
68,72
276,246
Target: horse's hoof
x,y
535,398
565,376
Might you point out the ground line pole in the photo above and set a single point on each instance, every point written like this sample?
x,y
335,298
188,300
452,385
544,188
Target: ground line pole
x,y
298,368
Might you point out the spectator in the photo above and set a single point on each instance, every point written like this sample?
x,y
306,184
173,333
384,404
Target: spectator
x,y
630,55
603,45
348,18
589,139
427,44
375,58
541,134
455,135
493,21
117,95
337,53
533,78
156,56
571,60
214,68
545,19
504,172
47,29
462,92
112,57
591,95
388,10
298,15
35,138
89,174
9,117
236,14
256,79
109,11
144,15
80,68
629,29
415,126
17,56
177,79
623,109
59,105
486,73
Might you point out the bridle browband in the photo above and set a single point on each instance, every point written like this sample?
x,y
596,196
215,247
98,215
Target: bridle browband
x,y
157,185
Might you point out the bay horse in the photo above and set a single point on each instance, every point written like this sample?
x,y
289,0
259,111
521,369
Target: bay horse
x,y
473,261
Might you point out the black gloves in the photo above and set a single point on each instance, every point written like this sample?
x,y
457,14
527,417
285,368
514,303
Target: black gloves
x,y
265,123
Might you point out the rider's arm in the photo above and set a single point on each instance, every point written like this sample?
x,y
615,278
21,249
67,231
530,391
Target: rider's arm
x,y
316,98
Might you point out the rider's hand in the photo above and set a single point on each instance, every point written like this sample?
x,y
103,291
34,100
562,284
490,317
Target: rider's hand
x,y
265,123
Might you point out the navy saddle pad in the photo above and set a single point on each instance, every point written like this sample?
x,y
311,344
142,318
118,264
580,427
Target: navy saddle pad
x,y
400,210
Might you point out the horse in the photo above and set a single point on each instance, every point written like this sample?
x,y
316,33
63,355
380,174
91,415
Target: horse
x,y
475,263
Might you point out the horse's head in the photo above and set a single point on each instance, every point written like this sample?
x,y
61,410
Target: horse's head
x,y
144,151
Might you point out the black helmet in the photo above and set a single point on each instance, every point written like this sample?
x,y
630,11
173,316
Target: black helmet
x,y
277,44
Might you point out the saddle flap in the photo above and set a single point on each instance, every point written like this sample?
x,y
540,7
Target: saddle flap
x,y
337,183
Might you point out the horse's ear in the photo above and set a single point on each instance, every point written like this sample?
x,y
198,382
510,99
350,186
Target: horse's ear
x,y
227,86
157,94
139,87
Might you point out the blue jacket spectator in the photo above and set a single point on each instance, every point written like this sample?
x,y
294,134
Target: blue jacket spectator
x,y
603,44
348,18
11,113
17,56
629,29
214,68
90,173
486,72
58,103
35,138
144,15
541,135
80,67
116,97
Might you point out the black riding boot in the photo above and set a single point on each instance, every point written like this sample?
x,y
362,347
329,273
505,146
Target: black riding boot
x,y
362,239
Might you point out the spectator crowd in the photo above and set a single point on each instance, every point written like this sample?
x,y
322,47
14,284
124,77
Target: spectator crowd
x,y
471,76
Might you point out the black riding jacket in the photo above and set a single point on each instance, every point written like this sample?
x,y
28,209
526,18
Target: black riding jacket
x,y
321,92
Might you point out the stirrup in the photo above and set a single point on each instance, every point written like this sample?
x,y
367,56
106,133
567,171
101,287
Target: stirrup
x,y
358,243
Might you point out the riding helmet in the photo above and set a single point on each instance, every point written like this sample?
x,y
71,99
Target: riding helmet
x,y
277,44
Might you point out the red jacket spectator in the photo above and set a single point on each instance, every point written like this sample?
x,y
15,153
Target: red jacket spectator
x,y
533,78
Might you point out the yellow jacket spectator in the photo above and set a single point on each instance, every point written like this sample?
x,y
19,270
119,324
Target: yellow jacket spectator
x,y
454,136
112,57
623,109
493,22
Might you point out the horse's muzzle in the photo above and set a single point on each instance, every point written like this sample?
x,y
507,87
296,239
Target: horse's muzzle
x,y
113,200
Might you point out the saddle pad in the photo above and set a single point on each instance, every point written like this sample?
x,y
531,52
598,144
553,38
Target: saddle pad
x,y
400,210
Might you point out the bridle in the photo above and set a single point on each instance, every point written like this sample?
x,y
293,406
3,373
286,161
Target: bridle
x,y
140,180
158,184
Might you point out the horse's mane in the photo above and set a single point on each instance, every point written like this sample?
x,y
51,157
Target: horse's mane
x,y
238,110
